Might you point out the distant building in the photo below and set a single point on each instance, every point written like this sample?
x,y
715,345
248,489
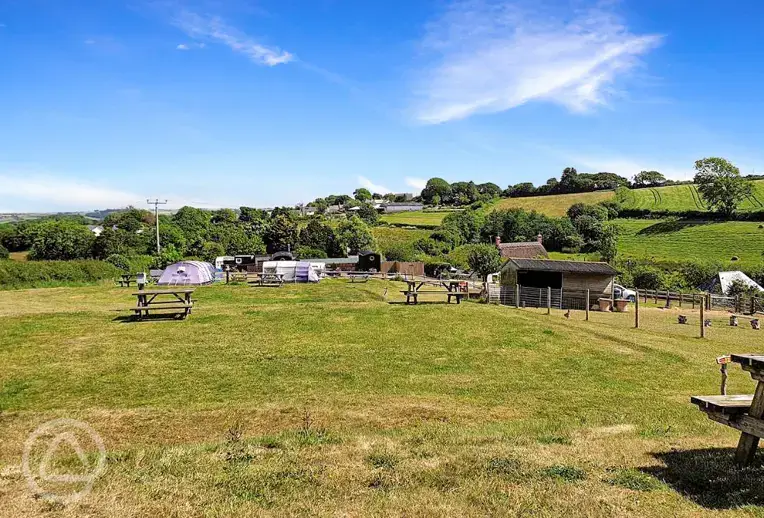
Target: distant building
x,y
522,250
393,207
95,229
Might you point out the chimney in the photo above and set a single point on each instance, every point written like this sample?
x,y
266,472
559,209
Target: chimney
x,y
498,240
540,239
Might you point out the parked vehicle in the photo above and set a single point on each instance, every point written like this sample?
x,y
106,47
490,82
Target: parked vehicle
x,y
624,293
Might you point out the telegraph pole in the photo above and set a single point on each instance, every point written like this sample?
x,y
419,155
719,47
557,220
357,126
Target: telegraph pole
x,y
156,203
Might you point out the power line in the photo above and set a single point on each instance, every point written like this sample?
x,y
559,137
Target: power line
x,y
156,203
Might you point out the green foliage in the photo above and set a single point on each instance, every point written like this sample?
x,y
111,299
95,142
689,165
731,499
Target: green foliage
x,y
211,250
368,214
61,240
306,252
119,261
464,193
484,260
436,191
362,194
33,274
398,252
4,253
354,234
738,288
466,224
720,184
169,255
649,178
608,243
318,234
224,216
129,220
598,212
117,241
282,233
193,222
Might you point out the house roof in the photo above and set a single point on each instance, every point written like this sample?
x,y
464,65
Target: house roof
x,y
547,265
727,278
525,250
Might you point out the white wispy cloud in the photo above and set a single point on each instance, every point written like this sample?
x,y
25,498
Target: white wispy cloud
x,y
42,191
190,46
417,183
365,182
492,56
215,29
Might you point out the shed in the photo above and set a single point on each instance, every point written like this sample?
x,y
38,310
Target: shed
x,y
187,273
568,280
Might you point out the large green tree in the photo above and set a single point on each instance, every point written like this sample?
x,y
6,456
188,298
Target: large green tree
x,y
356,235
62,240
436,191
649,178
362,194
720,184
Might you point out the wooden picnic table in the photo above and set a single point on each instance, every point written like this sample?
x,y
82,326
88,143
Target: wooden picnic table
x,y
180,301
359,276
272,279
454,288
125,280
743,412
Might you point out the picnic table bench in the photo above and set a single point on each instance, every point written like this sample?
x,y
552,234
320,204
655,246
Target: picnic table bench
x,y
272,279
454,288
180,302
743,412
125,280
359,276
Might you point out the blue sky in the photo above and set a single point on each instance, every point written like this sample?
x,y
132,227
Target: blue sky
x,y
275,102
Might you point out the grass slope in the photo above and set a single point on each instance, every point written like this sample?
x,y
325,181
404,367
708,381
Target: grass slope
x,y
327,400
554,205
419,218
388,236
699,240
678,198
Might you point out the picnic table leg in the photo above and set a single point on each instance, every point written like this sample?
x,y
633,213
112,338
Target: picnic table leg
x,y
746,447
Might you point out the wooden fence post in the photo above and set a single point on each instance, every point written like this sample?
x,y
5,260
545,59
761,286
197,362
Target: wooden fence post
x,y
548,300
588,303
702,321
656,296
681,298
517,296
693,301
636,311
668,299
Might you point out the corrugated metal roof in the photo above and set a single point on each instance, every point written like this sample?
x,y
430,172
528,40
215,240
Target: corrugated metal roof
x,y
548,265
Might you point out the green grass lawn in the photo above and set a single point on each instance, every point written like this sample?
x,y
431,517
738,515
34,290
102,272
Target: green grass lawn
x,y
554,205
684,198
329,400
699,240
420,218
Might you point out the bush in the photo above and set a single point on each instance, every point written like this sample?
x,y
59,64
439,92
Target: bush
x,y
398,252
307,252
4,253
31,274
120,261
647,278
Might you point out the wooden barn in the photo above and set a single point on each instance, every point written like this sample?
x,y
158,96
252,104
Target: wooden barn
x,y
568,280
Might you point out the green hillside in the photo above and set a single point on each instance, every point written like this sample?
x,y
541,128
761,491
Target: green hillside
x,y
556,204
419,218
676,198
666,240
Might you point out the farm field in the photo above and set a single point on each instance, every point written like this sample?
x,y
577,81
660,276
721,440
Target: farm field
x,y
678,198
328,400
700,240
389,236
419,218
556,204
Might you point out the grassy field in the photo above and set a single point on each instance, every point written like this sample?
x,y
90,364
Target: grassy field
x,y
428,219
555,205
388,236
683,198
329,400
682,240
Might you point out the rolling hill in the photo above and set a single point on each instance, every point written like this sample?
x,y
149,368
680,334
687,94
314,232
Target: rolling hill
x,y
677,198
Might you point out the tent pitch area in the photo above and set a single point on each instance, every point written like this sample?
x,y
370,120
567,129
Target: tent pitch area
x,y
187,273
295,271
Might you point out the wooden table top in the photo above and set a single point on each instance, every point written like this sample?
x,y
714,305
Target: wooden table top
x,y
163,292
755,361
